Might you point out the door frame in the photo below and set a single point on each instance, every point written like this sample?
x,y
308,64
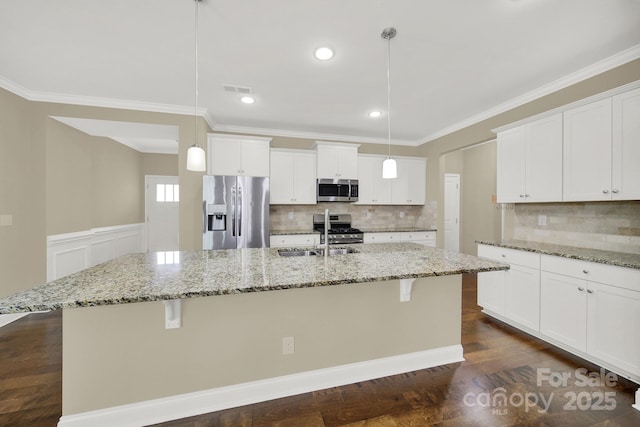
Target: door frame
x,y
447,195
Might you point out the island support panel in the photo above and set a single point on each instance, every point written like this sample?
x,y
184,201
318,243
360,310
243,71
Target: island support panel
x,y
122,354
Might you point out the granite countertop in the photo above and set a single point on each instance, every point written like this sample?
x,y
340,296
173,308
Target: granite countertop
x,y
292,232
620,259
397,230
141,277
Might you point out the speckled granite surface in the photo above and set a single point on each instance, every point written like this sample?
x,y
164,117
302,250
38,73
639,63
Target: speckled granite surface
x,y
397,230
620,259
292,232
140,277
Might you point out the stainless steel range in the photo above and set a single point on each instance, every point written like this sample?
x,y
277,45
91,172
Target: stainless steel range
x,y
340,230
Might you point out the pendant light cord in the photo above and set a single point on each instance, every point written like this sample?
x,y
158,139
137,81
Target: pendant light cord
x,y
389,93
195,108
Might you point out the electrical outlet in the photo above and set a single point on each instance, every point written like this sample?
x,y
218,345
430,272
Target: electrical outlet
x,y
6,220
401,214
368,214
290,215
288,345
542,220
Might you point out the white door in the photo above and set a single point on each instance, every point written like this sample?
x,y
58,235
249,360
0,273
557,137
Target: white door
x,y
452,212
162,196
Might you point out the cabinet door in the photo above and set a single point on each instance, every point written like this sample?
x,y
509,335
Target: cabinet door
x,y
410,185
563,309
281,184
348,162
327,161
626,146
612,325
510,174
225,157
543,156
255,158
522,296
304,178
587,152
491,287
366,167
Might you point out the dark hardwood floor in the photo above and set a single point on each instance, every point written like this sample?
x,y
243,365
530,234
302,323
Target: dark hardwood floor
x,y
497,385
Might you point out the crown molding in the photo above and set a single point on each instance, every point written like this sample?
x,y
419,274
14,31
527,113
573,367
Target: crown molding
x,y
310,135
592,70
92,101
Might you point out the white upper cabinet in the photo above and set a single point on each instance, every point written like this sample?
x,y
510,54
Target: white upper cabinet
x,y
409,188
337,161
238,155
372,189
293,177
587,152
625,176
530,162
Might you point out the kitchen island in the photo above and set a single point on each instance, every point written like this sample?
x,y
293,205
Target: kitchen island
x,y
241,326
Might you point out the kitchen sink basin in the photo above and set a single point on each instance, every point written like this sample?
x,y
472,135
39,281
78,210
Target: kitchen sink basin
x,y
318,252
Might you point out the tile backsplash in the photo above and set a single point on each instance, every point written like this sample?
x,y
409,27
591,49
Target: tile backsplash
x,y
366,217
611,226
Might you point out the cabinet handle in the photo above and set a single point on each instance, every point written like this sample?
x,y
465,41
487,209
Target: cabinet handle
x,y
526,195
614,191
522,195
503,256
580,288
585,271
605,191
590,291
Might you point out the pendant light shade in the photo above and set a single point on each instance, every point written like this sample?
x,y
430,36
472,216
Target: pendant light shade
x,y
196,159
389,167
196,156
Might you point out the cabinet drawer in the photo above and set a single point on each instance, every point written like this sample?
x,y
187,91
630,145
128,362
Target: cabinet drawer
x,y
421,235
627,278
381,237
292,240
510,256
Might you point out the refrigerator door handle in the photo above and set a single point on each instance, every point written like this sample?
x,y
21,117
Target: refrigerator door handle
x,y
233,211
239,204
204,217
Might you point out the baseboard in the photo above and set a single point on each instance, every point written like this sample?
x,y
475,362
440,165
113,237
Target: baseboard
x,y
5,319
202,402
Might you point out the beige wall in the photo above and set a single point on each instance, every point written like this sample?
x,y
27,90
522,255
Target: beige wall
x,y
480,215
234,339
55,179
22,196
160,164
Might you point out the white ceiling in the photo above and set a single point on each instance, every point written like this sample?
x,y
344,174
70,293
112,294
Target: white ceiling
x,y
454,62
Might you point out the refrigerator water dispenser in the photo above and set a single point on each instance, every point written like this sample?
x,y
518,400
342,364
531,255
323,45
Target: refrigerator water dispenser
x,y
216,217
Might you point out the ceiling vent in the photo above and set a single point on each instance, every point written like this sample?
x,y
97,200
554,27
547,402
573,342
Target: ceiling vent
x,y
237,89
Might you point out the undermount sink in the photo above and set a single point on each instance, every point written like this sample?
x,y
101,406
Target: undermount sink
x,y
318,252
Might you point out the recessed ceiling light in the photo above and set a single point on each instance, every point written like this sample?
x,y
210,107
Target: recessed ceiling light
x,y
247,100
375,114
324,53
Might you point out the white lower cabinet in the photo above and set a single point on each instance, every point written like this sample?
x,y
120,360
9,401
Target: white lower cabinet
x,y
563,309
513,294
593,308
590,309
293,240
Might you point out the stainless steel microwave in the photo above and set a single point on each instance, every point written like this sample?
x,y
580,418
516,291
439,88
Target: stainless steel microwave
x,y
337,190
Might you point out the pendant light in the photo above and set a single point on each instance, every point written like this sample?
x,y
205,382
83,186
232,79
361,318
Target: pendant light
x,y
389,168
196,157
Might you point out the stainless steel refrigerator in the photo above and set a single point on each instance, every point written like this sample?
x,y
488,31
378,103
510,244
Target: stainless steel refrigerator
x,y
235,211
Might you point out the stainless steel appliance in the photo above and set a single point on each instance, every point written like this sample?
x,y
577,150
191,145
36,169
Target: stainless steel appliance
x,y
337,190
236,212
340,230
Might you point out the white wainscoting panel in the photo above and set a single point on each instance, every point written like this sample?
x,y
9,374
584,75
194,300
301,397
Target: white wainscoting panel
x,y
72,252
